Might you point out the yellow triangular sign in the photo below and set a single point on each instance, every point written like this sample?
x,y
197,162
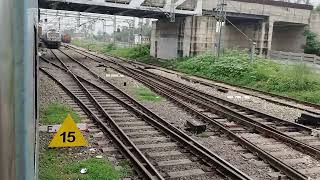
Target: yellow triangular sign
x,y
68,135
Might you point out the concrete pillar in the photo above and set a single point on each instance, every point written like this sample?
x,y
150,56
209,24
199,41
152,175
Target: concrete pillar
x,y
199,35
186,37
153,40
270,34
262,35
164,39
315,22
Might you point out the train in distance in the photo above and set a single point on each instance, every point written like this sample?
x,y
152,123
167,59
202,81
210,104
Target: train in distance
x,y
52,39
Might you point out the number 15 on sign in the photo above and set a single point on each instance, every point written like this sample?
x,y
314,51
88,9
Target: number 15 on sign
x,y
68,135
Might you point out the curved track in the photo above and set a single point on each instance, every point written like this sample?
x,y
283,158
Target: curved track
x,y
238,123
131,125
221,85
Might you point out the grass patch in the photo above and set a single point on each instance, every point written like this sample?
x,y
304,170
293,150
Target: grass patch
x,y
56,165
203,135
297,81
55,113
140,52
145,94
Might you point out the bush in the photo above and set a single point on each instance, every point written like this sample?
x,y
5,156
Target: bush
x,y
234,67
312,43
317,8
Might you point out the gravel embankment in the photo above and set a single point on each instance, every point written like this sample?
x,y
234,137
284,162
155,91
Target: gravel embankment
x,y
255,103
48,91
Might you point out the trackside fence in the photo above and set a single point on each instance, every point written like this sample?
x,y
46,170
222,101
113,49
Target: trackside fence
x,y
295,57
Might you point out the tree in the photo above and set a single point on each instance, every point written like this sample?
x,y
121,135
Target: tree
x,y
313,43
317,8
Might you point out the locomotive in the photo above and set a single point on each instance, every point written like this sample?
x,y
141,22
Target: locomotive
x,y
52,39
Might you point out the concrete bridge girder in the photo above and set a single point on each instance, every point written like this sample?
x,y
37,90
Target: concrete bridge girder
x,y
281,11
142,8
192,35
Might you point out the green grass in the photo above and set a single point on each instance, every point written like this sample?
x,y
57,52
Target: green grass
x,y
55,165
55,113
297,81
203,135
145,94
140,52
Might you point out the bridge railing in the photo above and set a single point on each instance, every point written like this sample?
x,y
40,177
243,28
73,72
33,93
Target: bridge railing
x,y
295,57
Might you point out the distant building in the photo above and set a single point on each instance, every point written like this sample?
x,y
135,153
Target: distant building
x,y
139,39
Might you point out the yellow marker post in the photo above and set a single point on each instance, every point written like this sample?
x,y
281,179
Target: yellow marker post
x,y
68,135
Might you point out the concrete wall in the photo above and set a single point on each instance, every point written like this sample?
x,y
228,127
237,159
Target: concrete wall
x,y
315,22
288,38
187,36
234,39
198,35
164,39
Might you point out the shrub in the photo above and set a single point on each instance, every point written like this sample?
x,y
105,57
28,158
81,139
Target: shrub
x,y
234,67
312,43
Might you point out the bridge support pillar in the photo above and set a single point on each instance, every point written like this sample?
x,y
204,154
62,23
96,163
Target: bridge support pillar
x,y
188,36
270,34
262,37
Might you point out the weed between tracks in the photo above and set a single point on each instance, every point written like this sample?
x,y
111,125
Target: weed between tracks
x,y
55,113
145,94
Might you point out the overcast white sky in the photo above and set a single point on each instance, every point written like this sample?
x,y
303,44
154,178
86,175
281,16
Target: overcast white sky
x,y
315,2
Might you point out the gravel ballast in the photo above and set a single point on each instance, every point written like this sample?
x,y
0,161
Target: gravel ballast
x,y
261,105
178,117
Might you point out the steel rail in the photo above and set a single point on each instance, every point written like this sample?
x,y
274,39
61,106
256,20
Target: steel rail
x,y
224,167
146,166
209,98
242,89
247,121
123,148
289,171
313,105
285,169
276,163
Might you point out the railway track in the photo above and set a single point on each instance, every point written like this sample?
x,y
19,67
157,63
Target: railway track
x,y
155,148
261,135
220,85
223,86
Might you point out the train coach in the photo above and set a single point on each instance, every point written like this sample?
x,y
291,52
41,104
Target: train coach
x,y
66,38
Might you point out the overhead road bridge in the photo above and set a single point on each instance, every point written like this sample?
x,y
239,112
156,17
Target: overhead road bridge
x,y
272,25
136,8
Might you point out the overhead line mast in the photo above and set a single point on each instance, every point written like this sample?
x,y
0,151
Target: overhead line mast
x,y
221,17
